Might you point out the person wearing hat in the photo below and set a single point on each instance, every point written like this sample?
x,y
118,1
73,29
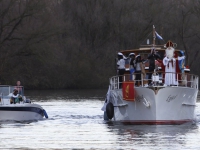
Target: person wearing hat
x,y
181,61
120,68
170,67
152,57
180,67
132,64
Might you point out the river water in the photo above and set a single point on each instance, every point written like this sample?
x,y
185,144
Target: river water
x,y
76,122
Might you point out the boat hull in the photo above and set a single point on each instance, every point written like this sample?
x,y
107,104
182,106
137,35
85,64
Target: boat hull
x,y
154,105
21,112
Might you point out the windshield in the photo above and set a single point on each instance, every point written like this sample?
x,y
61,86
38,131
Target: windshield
x,y
6,90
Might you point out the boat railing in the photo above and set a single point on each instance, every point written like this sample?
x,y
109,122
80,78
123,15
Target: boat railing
x,y
158,80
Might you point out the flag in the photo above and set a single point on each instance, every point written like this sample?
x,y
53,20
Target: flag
x,y
128,91
158,36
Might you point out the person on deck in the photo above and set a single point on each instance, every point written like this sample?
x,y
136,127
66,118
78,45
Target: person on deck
x,y
181,66
132,65
121,68
152,57
139,70
181,61
170,67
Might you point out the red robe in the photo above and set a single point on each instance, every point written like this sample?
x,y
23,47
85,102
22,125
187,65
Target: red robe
x,y
177,67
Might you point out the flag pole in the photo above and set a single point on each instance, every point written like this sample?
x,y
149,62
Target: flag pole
x,y
154,36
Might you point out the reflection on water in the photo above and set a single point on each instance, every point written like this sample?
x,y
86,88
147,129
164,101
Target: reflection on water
x,y
157,136
76,122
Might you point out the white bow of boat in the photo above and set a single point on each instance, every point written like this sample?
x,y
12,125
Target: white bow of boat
x,y
166,96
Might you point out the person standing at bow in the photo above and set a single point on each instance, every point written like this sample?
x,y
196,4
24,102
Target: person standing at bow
x,y
170,67
152,58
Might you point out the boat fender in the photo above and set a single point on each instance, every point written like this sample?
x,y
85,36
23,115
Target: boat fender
x,y
110,110
45,113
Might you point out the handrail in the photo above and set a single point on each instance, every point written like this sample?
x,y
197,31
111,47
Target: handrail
x,y
184,80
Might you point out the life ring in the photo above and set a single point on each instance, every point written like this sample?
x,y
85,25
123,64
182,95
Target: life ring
x,y
110,110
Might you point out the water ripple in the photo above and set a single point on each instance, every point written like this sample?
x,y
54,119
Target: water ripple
x,y
79,124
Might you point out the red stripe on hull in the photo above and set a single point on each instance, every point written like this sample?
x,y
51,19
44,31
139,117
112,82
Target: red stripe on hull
x,y
156,122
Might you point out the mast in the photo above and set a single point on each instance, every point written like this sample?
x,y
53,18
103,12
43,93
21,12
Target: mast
x,y
154,36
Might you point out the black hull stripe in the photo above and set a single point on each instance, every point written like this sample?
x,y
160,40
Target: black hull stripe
x,y
30,109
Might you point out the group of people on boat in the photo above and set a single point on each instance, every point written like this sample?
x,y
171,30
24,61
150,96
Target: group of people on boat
x,y
170,65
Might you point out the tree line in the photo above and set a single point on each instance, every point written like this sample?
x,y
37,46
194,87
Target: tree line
x,y
73,43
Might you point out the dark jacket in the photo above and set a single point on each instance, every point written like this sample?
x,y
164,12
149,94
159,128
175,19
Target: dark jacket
x,y
152,57
132,62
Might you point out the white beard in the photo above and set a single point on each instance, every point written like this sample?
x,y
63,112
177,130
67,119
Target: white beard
x,y
169,52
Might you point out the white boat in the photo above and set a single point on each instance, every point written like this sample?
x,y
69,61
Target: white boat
x,y
152,104
21,110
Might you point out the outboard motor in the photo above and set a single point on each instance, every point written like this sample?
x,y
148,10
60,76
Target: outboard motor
x,y
27,101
